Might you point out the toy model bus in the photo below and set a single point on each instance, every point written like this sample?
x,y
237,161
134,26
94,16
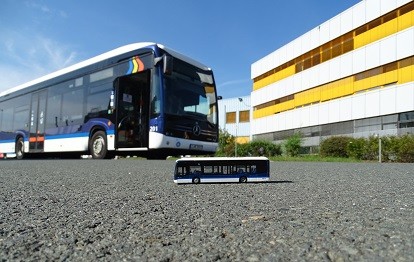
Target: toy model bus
x,y
221,170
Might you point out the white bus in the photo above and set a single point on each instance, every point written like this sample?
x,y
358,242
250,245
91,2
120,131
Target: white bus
x,y
141,99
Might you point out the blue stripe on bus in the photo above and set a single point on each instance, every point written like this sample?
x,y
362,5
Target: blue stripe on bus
x,y
60,136
66,136
74,135
7,141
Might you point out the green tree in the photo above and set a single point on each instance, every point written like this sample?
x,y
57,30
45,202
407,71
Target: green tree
x,y
226,143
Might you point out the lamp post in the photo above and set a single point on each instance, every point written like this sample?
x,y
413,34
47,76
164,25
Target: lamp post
x,y
379,149
237,126
235,140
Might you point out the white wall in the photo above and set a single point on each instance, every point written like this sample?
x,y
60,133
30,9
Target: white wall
x,y
235,105
357,15
386,50
384,101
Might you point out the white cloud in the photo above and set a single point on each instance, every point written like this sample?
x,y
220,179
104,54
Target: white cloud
x,y
34,5
45,10
24,58
234,82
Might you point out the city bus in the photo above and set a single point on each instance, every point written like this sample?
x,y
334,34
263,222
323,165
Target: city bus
x,y
141,99
221,170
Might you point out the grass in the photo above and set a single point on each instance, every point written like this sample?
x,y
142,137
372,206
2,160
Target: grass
x,y
313,158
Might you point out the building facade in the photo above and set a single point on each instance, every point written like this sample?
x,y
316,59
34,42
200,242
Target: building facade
x,y
235,116
352,75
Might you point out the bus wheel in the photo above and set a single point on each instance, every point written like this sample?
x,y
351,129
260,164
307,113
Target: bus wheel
x,y
196,180
97,145
243,179
19,148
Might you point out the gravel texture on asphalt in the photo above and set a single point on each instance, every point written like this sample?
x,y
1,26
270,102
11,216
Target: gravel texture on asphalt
x,y
131,210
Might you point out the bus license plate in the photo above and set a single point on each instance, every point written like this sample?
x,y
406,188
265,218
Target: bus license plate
x,y
197,147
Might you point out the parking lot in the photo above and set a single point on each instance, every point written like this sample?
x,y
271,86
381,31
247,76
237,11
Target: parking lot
x,y
129,209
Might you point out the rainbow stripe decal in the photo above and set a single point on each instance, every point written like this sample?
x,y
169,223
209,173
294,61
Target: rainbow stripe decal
x,y
135,65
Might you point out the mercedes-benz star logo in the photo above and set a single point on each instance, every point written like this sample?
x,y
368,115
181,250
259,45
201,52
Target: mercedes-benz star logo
x,y
196,129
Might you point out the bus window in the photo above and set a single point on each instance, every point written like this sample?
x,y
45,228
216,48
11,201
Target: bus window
x,y
261,167
195,169
155,95
53,111
21,117
208,169
253,169
241,169
97,104
72,107
180,171
7,121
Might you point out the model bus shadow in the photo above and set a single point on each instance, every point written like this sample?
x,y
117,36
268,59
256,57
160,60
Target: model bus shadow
x,y
235,183
278,182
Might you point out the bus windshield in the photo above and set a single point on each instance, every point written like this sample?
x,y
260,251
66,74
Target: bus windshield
x,y
190,92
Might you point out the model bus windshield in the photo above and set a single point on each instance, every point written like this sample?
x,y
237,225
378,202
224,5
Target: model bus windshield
x,y
190,92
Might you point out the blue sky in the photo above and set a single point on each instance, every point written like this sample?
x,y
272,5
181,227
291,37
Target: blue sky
x,y
39,37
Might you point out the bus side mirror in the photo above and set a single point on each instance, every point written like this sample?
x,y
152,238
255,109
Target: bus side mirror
x,y
168,64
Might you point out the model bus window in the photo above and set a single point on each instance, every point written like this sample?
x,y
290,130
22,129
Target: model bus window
x,y
216,169
115,104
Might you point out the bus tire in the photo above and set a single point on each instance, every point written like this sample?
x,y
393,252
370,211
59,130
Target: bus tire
x,y
98,146
19,148
243,179
196,180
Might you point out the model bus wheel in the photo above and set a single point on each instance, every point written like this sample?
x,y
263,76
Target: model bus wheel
x,y
19,148
243,179
97,145
196,180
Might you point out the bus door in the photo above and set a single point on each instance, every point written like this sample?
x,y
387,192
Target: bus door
x,y
37,121
132,110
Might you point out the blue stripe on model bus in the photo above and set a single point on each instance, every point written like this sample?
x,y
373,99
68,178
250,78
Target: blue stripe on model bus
x,y
238,175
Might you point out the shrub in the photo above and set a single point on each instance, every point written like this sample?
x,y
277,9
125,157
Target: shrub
x,y
259,148
393,148
265,148
293,144
335,146
357,148
405,151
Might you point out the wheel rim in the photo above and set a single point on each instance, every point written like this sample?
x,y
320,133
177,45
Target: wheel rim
x,y
98,145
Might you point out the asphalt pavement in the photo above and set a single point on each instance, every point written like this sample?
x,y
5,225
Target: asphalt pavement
x,y
130,209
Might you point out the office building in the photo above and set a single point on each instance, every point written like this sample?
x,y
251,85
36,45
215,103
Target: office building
x,y
352,75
